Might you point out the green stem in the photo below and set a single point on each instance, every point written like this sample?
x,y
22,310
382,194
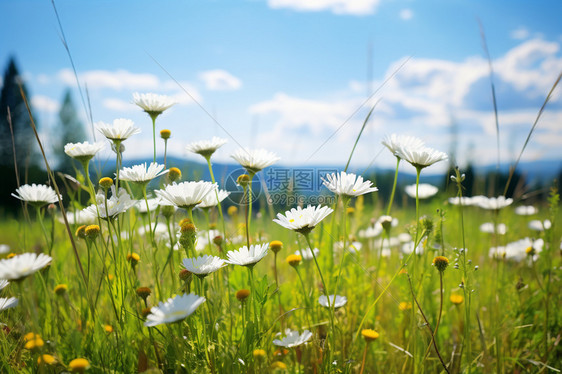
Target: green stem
x,y
154,134
393,187
325,289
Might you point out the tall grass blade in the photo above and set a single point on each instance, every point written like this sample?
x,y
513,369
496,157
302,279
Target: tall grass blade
x,y
67,48
494,101
54,183
360,106
360,133
512,169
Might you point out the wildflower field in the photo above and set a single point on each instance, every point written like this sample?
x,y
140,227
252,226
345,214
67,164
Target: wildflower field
x,y
145,271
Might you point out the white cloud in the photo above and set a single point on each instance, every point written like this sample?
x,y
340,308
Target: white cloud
x,y
353,7
520,33
119,105
406,14
422,99
318,115
116,80
531,66
44,103
220,80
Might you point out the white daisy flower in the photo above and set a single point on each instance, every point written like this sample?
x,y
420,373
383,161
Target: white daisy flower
x,y
6,303
408,248
346,184
20,266
120,130
36,194
465,200
395,142
255,160
79,217
153,203
303,220
293,338
186,194
248,257
328,301
118,203
83,151
4,248
371,231
404,237
425,190
537,225
306,253
206,148
353,247
203,265
518,250
526,210
174,309
488,227
421,157
140,174
210,199
160,232
3,283
153,104
493,203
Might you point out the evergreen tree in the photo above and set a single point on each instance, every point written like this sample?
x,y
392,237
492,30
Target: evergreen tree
x,y
71,130
24,139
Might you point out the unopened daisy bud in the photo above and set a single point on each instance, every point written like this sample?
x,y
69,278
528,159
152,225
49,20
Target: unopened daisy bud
x,y
60,289
276,246
46,360
133,258
10,255
232,210
185,275
369,335
427,224
108,328
188,228
106,183
79,365
51,208
29,336
218,240
212,226
165,134
243,180
242,295
143,292
92,231
441,263
174,174
145,312
81,232
184,221
294,260
259,353
350,210
167,210
456,299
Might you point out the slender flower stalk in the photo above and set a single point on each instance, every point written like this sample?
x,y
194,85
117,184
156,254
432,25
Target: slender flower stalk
x,y
153,105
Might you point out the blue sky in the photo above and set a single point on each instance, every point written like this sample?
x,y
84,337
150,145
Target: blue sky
x,y
285,75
